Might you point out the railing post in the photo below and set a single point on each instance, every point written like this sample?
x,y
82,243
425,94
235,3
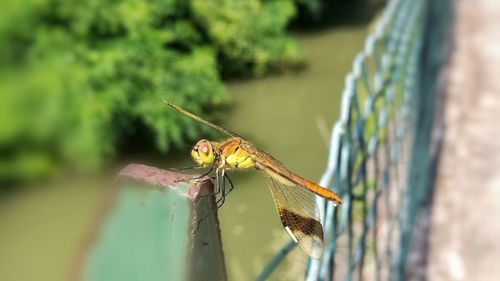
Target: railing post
x,y
158,227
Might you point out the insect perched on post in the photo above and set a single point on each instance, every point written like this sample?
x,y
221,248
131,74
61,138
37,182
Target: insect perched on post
x,y
294,196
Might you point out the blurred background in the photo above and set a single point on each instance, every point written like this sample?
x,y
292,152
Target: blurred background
x,y
80,89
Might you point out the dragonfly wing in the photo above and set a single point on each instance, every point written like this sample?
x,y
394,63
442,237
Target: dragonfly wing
x,y
199,119
299,215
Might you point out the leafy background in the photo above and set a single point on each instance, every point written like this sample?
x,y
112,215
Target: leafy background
x,y
78,78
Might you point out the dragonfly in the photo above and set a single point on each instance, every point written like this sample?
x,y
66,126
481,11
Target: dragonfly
x,y
294,196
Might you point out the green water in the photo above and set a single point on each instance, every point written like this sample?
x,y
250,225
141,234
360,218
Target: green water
x,y
289,116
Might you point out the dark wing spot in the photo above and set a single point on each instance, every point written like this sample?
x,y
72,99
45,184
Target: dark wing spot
x,y
308,226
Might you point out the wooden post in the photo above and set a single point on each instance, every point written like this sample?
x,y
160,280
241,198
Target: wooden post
x,y
159,227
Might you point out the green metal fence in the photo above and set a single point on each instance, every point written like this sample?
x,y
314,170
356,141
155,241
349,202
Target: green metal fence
x,y
379,150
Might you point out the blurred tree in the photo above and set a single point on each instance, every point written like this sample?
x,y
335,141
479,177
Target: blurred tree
x,y
75,74
248,34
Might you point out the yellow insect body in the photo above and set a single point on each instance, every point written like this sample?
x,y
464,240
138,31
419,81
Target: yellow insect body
x,y
234,156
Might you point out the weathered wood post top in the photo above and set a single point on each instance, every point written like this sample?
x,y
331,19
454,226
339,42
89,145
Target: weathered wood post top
x,y
158,226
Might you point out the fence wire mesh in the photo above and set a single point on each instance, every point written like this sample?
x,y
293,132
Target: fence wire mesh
x,y
377,157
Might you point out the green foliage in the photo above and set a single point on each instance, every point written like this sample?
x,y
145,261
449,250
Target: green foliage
x,y
249,34
75,75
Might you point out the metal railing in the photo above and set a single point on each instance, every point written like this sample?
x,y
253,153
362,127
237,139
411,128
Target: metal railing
x,y
378,156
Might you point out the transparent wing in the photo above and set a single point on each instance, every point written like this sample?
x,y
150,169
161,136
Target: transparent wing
x,y
299,215
199,119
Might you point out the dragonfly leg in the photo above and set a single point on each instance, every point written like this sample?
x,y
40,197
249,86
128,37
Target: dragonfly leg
x,y
218,189
188,168
222,187
195,177
204,174
217,185
230,184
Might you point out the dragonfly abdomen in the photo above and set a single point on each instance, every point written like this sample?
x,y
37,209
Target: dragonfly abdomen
x,y
319,190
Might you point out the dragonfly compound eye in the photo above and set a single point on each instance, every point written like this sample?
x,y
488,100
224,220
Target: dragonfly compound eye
x,y
203,153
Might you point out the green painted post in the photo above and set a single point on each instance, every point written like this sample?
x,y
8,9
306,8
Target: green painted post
x,y
159,227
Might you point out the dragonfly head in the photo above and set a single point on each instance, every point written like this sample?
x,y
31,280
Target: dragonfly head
x,y
203,153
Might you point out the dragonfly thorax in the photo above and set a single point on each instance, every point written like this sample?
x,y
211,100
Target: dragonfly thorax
x,y
234,156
